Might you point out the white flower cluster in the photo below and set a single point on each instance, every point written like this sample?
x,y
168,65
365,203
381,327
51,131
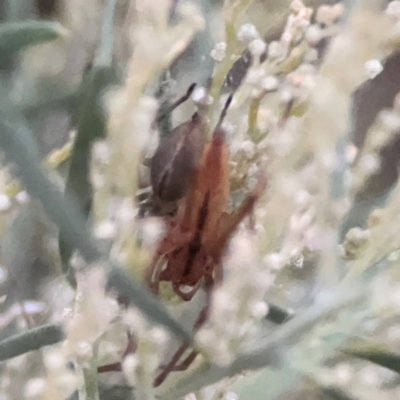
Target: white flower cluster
x,y
237,305
385,128
140,368
92,315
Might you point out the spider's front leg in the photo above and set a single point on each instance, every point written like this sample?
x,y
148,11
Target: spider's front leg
x,y
152,276
131,347
229,222
165,251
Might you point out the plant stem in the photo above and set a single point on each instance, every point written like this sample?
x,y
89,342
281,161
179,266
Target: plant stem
x,y
33,339
90,389
104,54
232,13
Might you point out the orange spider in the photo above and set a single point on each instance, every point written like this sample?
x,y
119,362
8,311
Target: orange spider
x,y
196,238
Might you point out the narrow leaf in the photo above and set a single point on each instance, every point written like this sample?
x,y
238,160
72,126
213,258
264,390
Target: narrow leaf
x,y
33,339
333,393
90,122
375,353
16,36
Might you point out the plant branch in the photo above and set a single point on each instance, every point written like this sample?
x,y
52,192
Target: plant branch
x,y
30,340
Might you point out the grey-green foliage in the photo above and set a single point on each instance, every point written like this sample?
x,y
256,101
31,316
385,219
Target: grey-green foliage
x,y
70,213
64,212
90,122
16,140
333,393
30,340
375,353
17,36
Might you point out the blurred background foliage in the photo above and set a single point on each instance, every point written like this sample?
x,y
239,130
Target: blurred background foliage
x,y
59,60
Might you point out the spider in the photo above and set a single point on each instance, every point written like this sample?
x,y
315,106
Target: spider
x,y
196,238
190,254
192,248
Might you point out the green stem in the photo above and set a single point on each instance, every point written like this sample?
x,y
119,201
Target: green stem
x,y
222,69
104,54
30,340
90,389
252,118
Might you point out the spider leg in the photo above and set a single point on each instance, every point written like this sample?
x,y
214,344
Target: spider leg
x,y
231,221
117,366
185,364
114,367
202,318
177,103
131,346
186,295
171,365
152,276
